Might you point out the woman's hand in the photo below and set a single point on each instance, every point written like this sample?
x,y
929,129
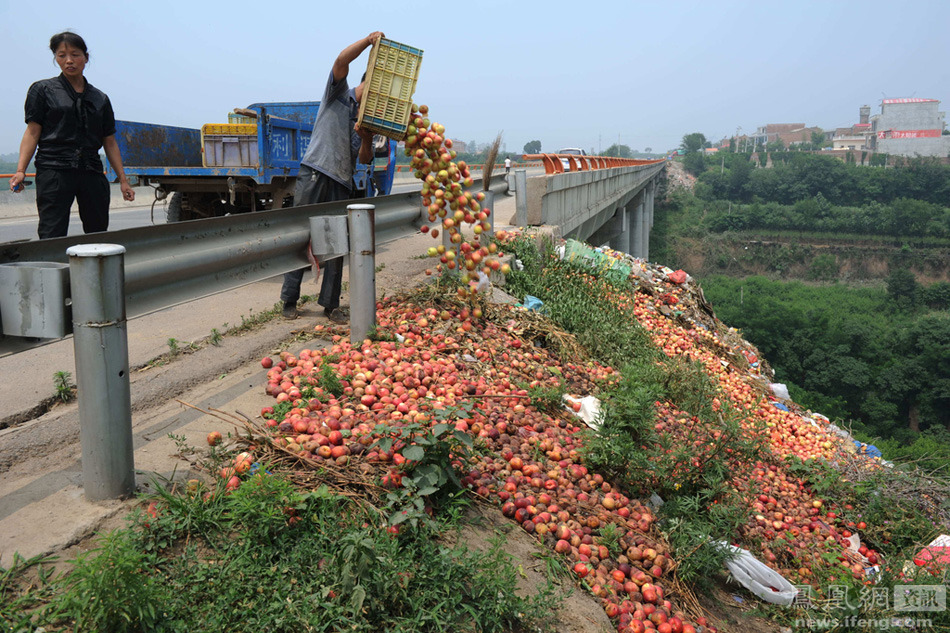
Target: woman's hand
x,y
16,182
127,192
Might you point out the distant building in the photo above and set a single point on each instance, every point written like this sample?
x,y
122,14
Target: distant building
x,y
788,133
779,128
909,127
856,137
799,135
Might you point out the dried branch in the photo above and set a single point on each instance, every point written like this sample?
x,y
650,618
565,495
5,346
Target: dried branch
x,y
490,162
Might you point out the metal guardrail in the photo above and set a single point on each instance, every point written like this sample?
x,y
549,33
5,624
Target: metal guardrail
x,y
169,264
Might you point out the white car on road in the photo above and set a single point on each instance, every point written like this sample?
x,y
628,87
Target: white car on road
x,y
576,151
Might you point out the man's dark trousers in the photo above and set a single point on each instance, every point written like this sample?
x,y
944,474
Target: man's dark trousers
x,y
314,187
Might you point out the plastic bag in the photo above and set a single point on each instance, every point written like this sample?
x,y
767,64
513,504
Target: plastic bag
x,y
532,303
484,284
314,264
763,581
589,411
677,277
780,390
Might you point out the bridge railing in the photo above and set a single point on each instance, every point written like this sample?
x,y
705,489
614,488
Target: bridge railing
x,y
475,168
554,163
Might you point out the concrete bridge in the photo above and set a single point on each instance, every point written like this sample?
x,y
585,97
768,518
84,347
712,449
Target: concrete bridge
x,y
599,201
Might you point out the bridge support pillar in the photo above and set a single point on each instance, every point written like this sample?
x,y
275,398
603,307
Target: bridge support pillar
x,y
647,218
636,232
620,230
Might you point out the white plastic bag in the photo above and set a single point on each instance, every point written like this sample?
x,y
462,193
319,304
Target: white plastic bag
x,y
484,284
780,390
589,411
760,579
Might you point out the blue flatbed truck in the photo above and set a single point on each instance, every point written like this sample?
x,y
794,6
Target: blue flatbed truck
x,y
170,159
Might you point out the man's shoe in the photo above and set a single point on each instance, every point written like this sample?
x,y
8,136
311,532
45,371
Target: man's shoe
x,y
290,310
337,315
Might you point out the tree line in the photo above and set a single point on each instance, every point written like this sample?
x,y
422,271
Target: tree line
x,y
811,192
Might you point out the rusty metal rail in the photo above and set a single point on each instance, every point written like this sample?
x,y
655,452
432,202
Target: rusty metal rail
x,y
477,167
554,163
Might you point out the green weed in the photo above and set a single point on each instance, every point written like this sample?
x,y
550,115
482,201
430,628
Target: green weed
x,y
434,454
22,596
110,588
64,390
269,556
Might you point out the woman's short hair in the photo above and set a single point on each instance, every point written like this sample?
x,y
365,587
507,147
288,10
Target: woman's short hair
x,y
72,39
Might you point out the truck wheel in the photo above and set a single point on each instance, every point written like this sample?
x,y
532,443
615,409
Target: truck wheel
x,y
183,207
174,211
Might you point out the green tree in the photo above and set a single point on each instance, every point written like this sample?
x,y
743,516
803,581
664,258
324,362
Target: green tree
x,y
902,287
739,174
618,151
936,296
532,147
647,150
823,268
694,142
694,163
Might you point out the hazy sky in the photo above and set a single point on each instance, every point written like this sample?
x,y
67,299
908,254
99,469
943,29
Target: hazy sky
x,y
579,74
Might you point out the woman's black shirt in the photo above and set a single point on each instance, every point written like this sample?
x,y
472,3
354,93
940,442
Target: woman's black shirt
x,y
74,124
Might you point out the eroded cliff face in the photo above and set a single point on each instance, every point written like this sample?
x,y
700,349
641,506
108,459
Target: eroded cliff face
x,y
815,260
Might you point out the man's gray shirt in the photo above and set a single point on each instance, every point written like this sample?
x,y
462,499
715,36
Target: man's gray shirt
x,y
334,144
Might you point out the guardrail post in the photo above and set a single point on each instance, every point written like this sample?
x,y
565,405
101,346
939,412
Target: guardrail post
x,y
100,339
521,197
362,219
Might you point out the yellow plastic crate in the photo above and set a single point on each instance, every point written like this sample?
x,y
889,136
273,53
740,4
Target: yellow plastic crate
x,y
229,145
391,76
241,119
245,129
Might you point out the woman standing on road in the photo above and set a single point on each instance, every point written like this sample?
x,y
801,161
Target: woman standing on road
x,y
68,120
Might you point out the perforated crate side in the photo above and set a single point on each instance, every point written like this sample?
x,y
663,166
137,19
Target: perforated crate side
x,y
390,82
